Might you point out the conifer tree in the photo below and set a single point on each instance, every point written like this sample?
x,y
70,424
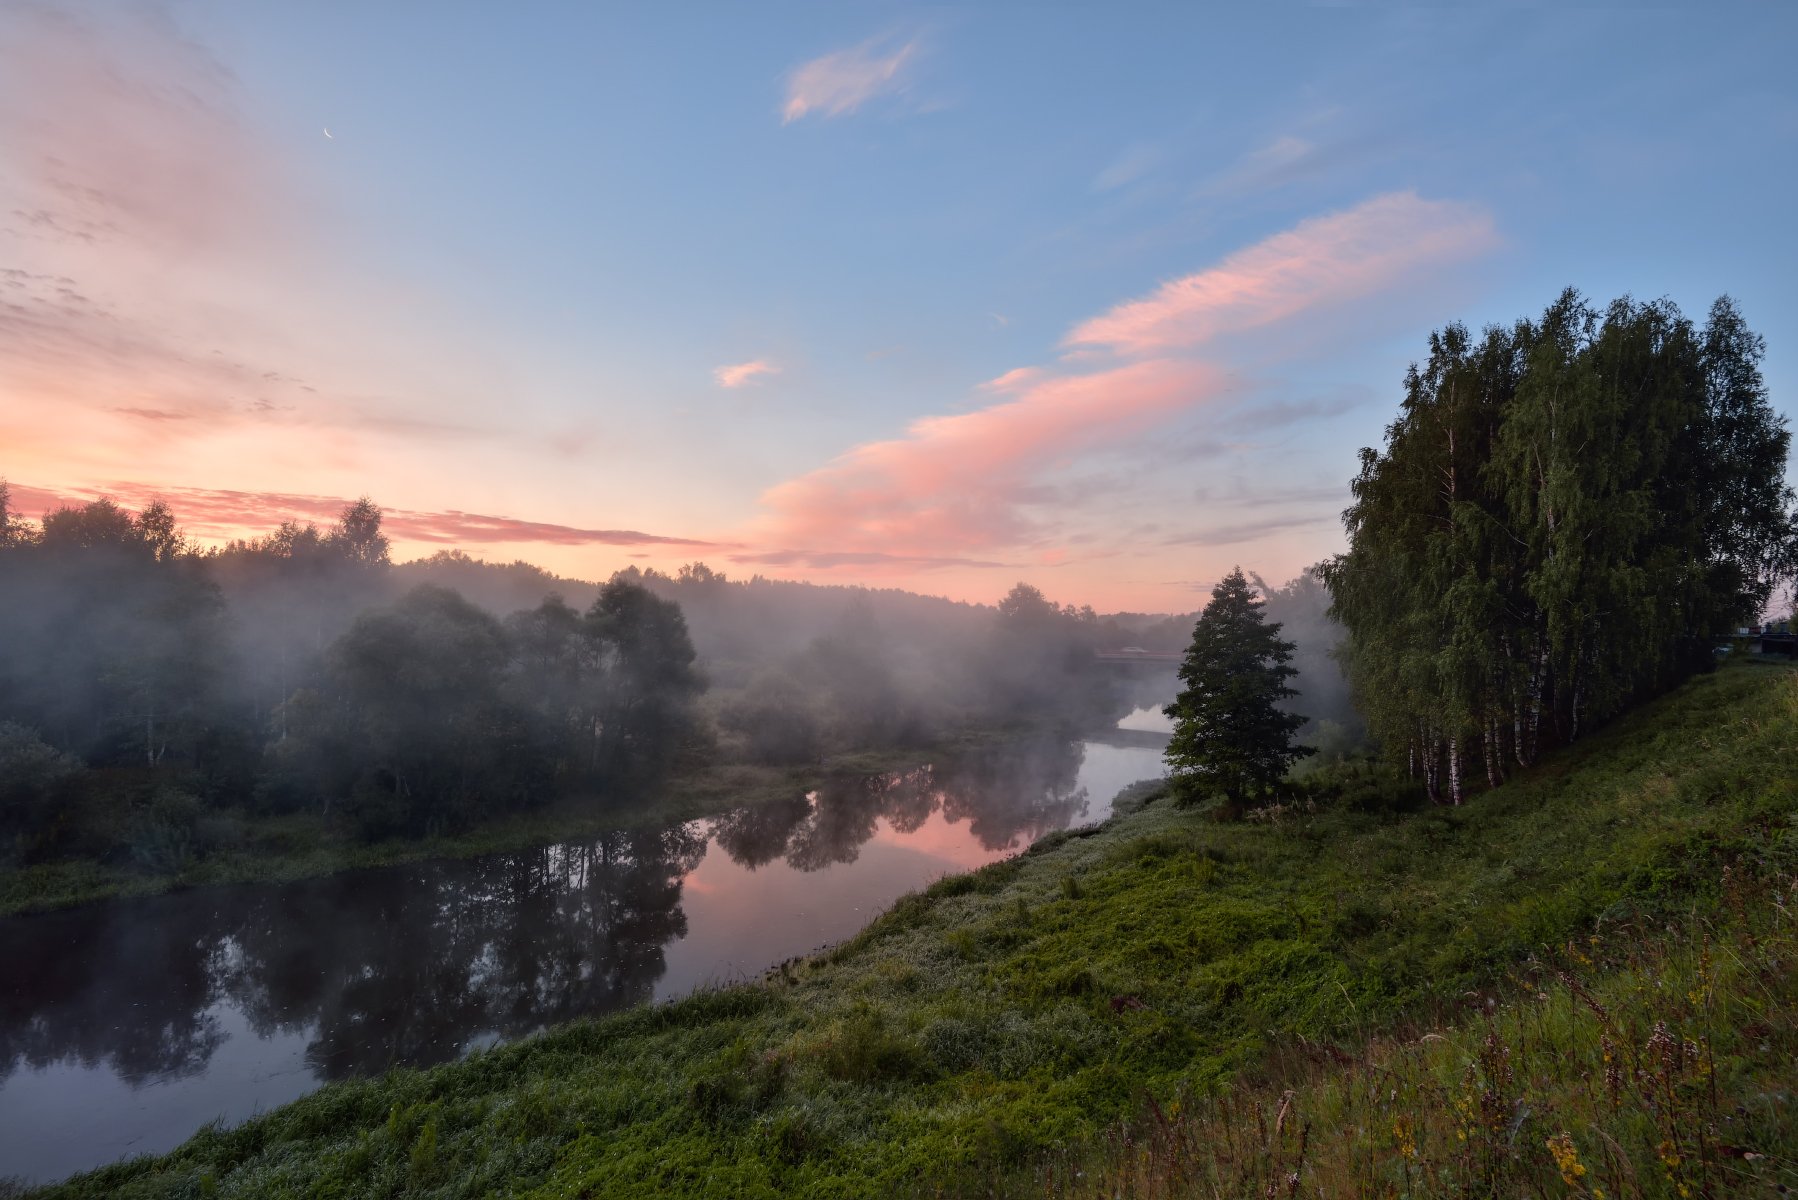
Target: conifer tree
x,y
1230,735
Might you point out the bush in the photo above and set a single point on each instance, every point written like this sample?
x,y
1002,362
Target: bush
x,y
861,1049
163,835
33,775
1361,784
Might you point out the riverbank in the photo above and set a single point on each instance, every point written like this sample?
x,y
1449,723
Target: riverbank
x,y
292,847
1010,1017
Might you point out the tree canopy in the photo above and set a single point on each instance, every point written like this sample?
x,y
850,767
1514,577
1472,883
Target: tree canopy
x,y
1230,734
1565,515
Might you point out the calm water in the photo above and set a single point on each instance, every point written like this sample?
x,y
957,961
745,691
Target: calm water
x,y
124,1027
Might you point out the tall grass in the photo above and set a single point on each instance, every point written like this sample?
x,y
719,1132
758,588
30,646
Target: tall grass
x,y
1168,964
1655,1060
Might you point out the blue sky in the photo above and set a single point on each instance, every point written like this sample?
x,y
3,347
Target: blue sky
x,y
504,287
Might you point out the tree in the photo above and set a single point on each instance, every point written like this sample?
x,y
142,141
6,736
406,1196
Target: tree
x,y
13,531
1230,735
156,526
1564,516
358,535
95,525
648,719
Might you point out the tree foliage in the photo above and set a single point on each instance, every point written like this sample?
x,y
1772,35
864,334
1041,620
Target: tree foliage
x,y
290,669
1565,515
1230,734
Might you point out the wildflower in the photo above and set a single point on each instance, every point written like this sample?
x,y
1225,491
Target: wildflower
x,y
1566,1157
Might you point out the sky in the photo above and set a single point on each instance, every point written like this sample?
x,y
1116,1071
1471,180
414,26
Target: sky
x,y
1105,298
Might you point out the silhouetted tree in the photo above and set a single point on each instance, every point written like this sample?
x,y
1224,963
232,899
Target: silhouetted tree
x,y
1230,735
358,537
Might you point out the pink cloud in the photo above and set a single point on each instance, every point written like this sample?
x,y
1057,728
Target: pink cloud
x,y
841,82
736,375
961,483
1324,260
216,514
973,483
1015,380
126,131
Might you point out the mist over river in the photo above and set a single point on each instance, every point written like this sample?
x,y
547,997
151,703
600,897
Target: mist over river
x,y
125,1026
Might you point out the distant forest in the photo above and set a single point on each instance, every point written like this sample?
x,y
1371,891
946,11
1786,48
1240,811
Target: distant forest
x,y
153,693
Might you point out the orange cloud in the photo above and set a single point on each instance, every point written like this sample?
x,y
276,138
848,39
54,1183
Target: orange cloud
x,y
1324,260
167,267
843,81
219,514
1015,380
959,483
738,374
954,487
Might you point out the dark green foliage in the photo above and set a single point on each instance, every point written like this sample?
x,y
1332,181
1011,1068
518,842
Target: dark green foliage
x,y
422,716
953,1041
1566,514
34,780
1231,737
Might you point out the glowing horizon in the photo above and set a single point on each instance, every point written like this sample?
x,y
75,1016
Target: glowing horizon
x,y
849,303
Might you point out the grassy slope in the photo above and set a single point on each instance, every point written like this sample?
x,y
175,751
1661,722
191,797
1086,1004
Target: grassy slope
x,y
1021,1010
1653,1059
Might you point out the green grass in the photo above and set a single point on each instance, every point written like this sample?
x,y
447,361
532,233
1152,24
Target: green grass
x,y
1653,1059
1010,1018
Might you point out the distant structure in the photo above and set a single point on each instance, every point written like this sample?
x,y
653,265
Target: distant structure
x,y
1776,639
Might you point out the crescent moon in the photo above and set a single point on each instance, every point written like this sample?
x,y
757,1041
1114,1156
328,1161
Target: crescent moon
x,y
328,134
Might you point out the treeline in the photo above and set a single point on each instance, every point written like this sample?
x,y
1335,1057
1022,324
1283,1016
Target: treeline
x,y
1567,514
801,672
155,697
146,687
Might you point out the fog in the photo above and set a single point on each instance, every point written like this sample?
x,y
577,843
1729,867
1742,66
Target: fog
x,y
158,699
166,706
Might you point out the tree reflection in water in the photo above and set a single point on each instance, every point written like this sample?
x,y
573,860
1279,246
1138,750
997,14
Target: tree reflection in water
x,y
1008,794
378,968
411,965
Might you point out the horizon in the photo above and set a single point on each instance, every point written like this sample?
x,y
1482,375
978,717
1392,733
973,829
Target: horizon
x,y
865,297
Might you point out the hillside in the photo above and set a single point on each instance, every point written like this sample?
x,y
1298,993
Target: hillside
x,y
1002,1023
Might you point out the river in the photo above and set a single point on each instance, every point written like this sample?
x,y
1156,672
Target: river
x,y
127,1025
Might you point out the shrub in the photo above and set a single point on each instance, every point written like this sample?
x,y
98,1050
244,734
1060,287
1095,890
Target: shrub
x,y
162,837
33,774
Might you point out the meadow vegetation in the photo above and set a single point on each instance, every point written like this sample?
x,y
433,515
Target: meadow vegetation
x,y
1355,991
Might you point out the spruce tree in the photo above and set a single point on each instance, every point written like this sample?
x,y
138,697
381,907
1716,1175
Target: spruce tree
x,y
1230,735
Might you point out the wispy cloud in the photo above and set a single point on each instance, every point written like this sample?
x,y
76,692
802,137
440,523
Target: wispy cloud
x,y
964,482
829,559
1278,162
1132,164
1015,380
216,514
737,375
1235,533
1324,260
972,484
125,132
169,287
842,81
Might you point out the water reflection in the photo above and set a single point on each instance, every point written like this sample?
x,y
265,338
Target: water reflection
x,y
379,968
1008,795
411,966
